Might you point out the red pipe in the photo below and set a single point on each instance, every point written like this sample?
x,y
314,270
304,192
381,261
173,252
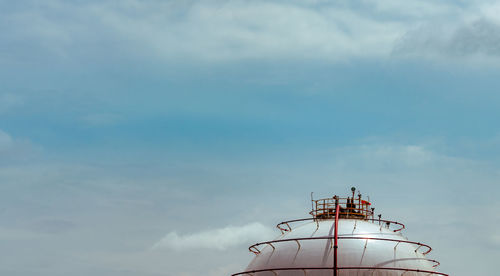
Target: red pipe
x,y
335,245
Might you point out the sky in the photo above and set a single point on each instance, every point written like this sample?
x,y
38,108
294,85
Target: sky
x,y
163,137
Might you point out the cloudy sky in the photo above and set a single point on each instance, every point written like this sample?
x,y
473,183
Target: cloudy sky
x,y
163,137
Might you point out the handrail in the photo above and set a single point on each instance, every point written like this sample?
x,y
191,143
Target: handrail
x,y
290,221
283,230
349,207
342,268
254,248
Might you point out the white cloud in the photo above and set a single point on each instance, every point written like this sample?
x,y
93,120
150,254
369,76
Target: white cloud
x,y
469,32
221,238
491,11
230,30
422,9
476,40
219,31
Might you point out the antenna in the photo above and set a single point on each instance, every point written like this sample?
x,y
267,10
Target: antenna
x,y
312,204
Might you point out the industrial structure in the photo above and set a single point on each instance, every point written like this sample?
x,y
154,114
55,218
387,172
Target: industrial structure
x,y
343,237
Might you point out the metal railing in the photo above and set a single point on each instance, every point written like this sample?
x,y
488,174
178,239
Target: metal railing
x,y
350,207
254,248
428,272
286,226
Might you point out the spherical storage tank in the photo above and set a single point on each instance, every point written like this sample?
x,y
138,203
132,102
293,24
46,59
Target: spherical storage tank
x,y
341,238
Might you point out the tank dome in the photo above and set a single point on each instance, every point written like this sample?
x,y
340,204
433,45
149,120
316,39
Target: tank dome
x,y
341,238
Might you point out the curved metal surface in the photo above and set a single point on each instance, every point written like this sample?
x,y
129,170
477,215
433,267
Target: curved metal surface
x,y
361,243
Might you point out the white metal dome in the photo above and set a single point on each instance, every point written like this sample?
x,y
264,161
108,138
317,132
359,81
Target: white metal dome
x,y
365,245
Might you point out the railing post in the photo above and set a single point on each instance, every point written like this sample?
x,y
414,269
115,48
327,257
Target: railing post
x,y
336,235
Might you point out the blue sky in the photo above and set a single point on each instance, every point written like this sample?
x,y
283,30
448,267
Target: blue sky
x,y
130,127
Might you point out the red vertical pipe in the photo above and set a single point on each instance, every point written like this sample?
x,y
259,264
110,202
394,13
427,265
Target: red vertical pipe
x,y
336,236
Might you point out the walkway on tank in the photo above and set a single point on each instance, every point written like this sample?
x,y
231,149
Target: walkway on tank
x,y
387,223
305,269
